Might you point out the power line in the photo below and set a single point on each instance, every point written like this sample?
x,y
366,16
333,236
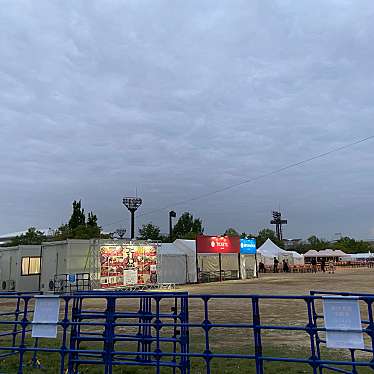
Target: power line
x,y
250,180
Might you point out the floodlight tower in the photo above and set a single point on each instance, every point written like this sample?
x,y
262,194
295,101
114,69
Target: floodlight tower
x,y
278,222
132,204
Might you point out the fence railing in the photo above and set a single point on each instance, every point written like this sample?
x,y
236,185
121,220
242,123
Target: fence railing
x,y
176,332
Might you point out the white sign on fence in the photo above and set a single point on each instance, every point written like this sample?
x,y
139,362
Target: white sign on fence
x,y
343,322
44,324
130,277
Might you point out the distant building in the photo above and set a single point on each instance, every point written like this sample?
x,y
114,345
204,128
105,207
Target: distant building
x,y
291,243
7,238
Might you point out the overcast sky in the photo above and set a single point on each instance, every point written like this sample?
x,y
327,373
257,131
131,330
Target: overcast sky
x,y
179,98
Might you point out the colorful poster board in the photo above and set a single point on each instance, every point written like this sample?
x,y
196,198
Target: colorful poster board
x,y
248,246
122,265
343,322
217,244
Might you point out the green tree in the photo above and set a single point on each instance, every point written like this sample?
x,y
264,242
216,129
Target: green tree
x,y
149,231
266,234
231,232
187,227
62,233
77,228
32,236
78,217
313,242
244,235
92,220
350,245
86,232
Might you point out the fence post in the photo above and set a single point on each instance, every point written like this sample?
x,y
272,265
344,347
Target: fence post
x,y
24,325
370,328
317,338
311,329
109,334
257,335
185,338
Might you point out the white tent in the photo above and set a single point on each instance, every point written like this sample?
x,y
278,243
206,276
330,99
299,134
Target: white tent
x,y
359,257
176,262
311,253
298,259
325,253
269,250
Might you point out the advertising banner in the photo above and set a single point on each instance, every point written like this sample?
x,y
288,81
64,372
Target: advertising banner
x,y
122,265
248,246
217,244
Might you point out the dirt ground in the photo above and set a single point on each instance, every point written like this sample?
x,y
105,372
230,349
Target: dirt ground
x,y
350,280
276,312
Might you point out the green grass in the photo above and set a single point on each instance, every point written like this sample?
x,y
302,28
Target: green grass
x,y
50,364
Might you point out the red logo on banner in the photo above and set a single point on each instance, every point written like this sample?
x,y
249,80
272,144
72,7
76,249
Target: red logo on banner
x,y
217,244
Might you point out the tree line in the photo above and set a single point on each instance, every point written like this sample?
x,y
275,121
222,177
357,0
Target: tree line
x,y
79,226
82,226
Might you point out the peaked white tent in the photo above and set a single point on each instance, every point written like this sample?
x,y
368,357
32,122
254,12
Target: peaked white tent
x,y
269,250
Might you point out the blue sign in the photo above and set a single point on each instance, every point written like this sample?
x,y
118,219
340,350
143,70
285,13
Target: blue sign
x,y
72,278
248,246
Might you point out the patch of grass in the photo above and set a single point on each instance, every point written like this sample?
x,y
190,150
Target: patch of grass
x,y
51,363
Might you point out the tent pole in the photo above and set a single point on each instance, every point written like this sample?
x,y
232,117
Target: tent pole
x,y
220,266
256,270
239,265
197,269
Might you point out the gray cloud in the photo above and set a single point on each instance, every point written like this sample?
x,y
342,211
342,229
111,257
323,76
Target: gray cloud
x,y
179,98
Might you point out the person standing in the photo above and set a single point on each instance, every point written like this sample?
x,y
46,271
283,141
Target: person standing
x,y
261,267
275,267
314,265
287,267
331,267
323,264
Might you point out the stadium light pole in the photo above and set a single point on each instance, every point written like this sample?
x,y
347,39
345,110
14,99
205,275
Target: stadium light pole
x,y
172,215
132,204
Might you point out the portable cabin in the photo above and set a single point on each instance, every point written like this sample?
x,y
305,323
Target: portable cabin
x,y
20,268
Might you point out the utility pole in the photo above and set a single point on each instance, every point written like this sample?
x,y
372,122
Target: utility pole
x,y
132,204
172,215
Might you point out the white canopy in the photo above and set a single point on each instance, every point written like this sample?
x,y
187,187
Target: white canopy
x,y
269,250
325,253
358,256
311,253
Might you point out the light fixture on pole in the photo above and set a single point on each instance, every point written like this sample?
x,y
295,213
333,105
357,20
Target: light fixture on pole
x,y
278,222
132,204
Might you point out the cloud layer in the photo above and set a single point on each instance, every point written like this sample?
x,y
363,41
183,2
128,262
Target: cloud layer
x,y
176,99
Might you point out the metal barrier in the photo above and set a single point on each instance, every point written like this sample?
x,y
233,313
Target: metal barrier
x,y
68,283
167,331
367,300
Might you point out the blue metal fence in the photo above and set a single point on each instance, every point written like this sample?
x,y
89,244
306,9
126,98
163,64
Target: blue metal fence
x,y
168,332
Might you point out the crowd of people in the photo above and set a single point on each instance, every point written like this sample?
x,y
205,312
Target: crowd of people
x,y
329,266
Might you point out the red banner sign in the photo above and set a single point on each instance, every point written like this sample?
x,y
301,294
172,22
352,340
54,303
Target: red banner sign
x,y
217,244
